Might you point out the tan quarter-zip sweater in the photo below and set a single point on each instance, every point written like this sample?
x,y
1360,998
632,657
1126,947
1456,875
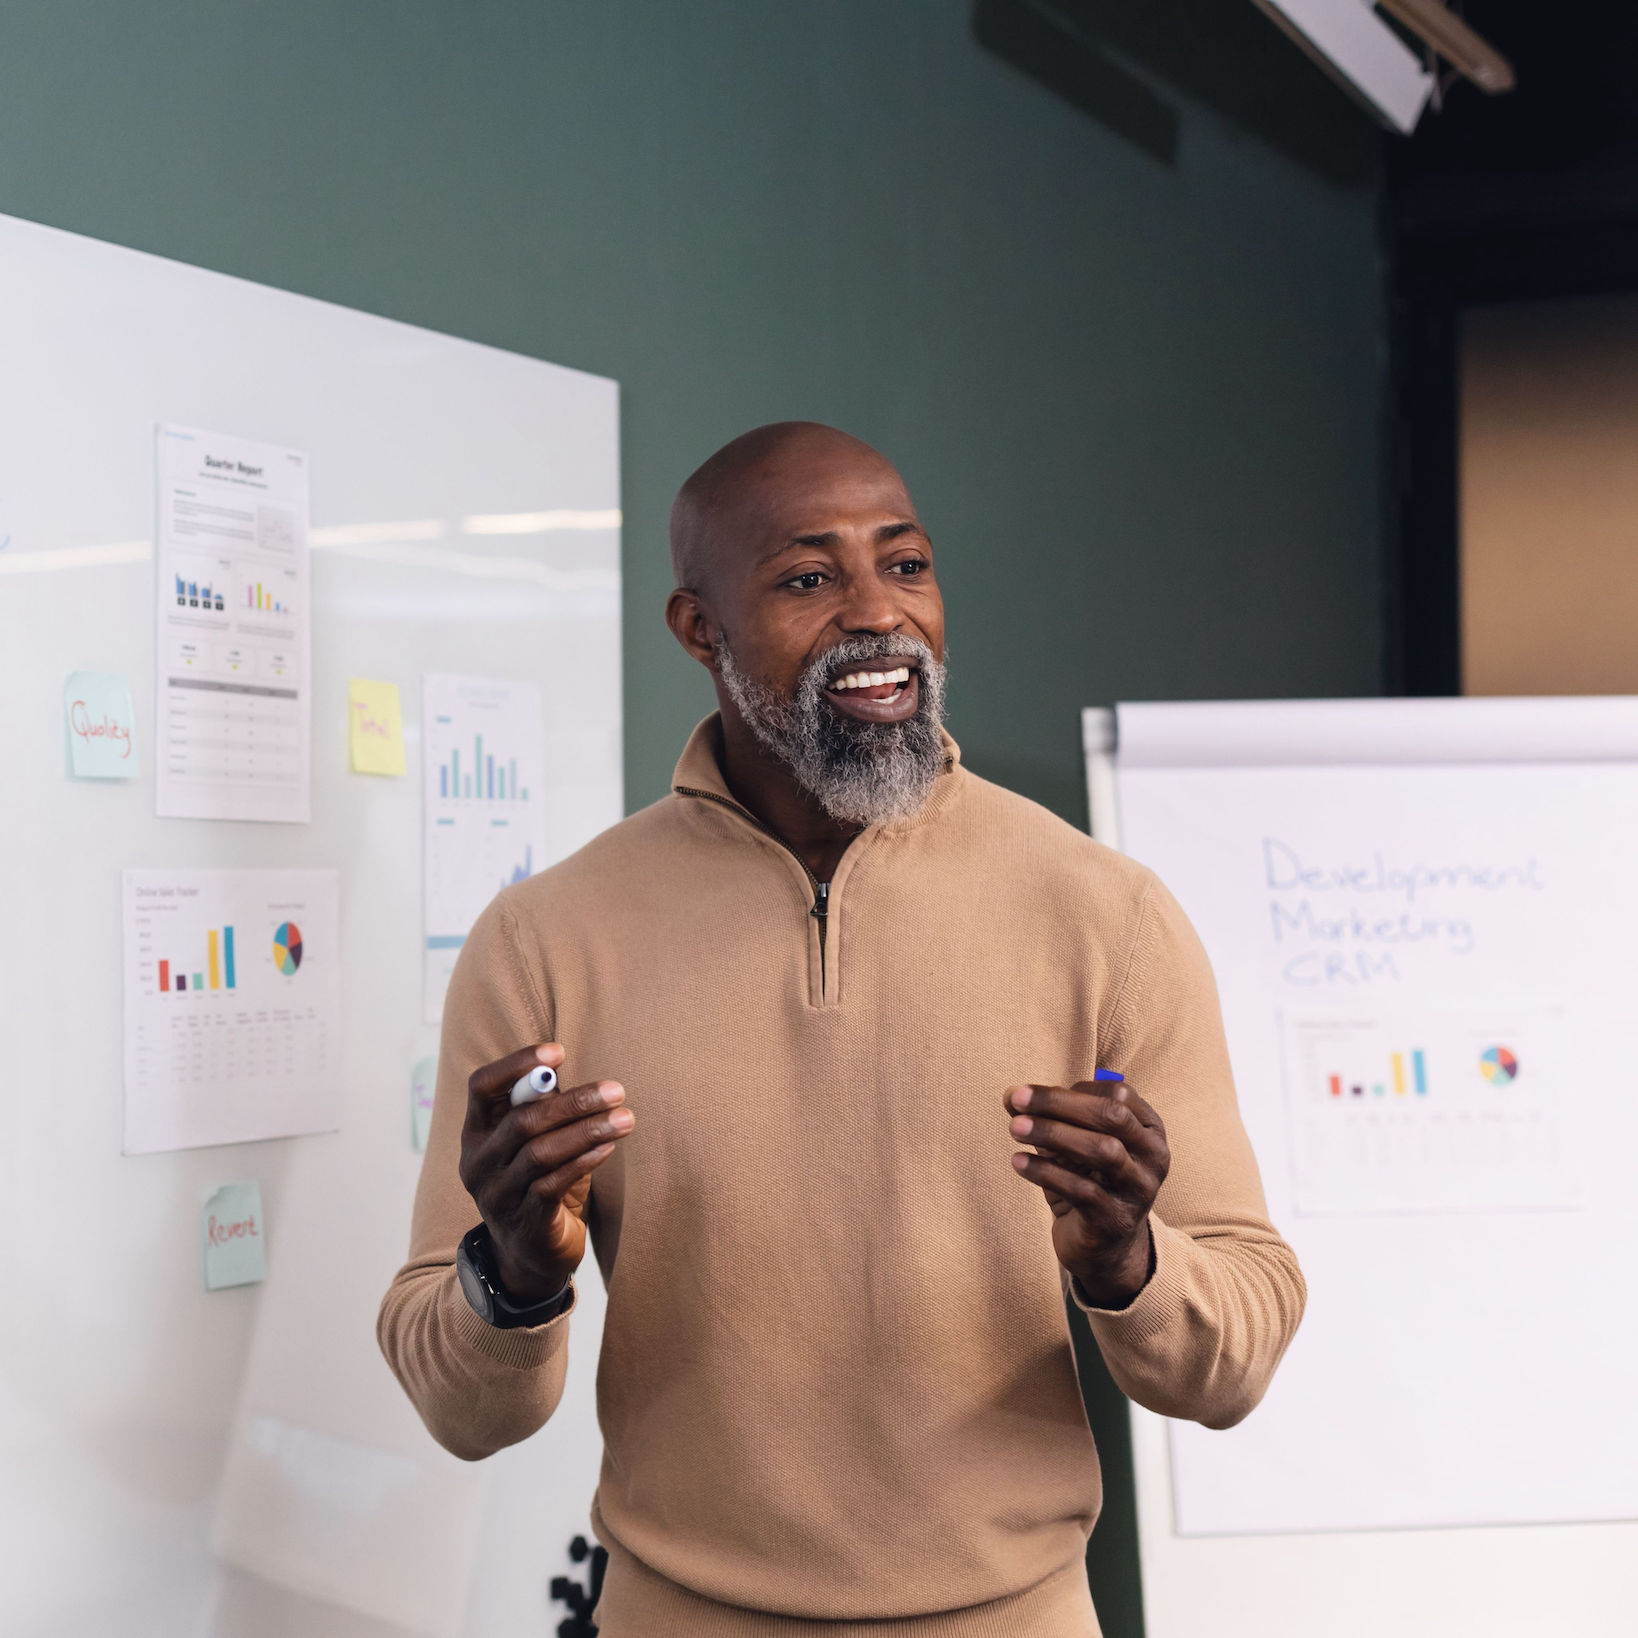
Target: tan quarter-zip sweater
x,y
836,1383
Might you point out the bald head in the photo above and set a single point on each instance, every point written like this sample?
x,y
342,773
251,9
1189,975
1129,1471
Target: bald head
x,y
728,505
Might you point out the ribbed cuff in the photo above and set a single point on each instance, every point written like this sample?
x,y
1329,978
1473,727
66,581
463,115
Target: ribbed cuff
x,y
1156,1308
525,1348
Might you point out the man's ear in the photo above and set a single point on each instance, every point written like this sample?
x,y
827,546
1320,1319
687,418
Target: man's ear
x,y
692,626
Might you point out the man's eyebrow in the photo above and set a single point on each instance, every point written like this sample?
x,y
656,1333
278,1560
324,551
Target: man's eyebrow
x,y
830,537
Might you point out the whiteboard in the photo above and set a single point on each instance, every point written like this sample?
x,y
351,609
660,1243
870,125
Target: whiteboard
x,y
172,1462
1417,912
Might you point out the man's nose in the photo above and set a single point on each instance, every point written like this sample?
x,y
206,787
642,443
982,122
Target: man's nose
x,y
869,607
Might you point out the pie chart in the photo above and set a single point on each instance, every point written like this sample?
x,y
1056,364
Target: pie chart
x,y
1499,1066
287,948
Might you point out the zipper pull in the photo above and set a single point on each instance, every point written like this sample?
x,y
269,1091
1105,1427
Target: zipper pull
x,y
821,900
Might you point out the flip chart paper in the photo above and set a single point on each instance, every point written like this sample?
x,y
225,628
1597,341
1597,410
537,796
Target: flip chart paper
x,y
375,728
1427,975
235,1242
101,725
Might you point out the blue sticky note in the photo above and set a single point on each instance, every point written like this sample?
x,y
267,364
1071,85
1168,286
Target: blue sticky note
x,y
101,725
235,1236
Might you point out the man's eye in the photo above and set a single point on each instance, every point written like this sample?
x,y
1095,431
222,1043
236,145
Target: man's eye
x,y
811,581
910,566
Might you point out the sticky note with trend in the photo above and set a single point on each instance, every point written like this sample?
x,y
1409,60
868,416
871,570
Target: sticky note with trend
x,y
101,725
375,728
235,1236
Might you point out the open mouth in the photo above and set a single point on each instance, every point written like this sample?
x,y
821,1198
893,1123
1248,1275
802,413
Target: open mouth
x,y
885,690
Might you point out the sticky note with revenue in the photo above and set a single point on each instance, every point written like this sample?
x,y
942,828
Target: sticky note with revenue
x,y
235,1238
375,727
101,725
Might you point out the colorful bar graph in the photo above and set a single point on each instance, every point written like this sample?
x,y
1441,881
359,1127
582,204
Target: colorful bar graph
x,y
1407,1072
219,974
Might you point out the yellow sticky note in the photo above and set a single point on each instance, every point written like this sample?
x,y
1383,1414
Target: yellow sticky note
x,y
375,727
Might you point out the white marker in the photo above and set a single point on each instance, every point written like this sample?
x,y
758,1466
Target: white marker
x,y
536,1084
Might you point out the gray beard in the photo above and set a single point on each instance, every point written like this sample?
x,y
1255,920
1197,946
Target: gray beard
x,y
860,773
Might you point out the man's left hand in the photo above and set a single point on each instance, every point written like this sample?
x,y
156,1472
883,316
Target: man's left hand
x,y
1102,1158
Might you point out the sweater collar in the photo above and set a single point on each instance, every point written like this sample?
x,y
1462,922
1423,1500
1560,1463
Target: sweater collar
x,y
699,769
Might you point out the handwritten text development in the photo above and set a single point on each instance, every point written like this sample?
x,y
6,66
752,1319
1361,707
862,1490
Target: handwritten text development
x,y
1332,941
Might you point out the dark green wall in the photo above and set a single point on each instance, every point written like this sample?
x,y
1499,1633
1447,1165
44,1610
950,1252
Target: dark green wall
x,y
1137,404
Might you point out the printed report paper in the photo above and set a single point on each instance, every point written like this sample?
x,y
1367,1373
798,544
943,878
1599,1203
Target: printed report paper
x,y
234,639
483,763
232,1006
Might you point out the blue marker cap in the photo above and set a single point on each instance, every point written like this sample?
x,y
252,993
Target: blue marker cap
x,y
1107,1075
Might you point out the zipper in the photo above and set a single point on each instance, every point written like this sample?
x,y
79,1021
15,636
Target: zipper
x,y
821,913
821,890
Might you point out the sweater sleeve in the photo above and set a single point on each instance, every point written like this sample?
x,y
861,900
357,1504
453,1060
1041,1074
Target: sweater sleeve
x,y
478,1388
1202,1338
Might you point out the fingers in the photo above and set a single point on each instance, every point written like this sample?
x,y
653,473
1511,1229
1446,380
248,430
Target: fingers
x,y
1099,1107
489,1089
1083,1193
1102,1132
547,1162
1096,1154
493,1151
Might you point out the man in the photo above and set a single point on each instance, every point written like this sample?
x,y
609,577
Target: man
x,y
804,1011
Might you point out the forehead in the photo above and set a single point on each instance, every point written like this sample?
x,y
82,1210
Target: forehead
x,y
828,492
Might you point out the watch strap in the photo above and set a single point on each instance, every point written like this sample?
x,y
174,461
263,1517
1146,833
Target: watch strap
x,y
477,1250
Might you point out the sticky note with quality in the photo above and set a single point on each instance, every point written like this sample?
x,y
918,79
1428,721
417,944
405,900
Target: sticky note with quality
x,y
101,725
375,728
235,1238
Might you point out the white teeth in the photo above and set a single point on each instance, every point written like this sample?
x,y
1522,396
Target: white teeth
x,y
872,679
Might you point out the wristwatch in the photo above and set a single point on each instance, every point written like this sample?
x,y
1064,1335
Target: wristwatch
x,y
475,1268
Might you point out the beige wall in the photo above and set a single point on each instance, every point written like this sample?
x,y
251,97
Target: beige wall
x,y
1549,498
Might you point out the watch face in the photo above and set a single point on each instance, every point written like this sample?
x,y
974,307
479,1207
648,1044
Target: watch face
x,y
477,1293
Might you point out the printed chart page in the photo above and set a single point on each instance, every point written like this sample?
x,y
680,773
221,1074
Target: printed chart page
x,y
1431,1109
232,1006
234,643
483,763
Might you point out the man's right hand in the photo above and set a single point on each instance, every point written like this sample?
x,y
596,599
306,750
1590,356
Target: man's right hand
x,y
529,1168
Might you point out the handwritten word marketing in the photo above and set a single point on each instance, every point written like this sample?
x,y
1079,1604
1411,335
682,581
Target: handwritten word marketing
x,y
1346,922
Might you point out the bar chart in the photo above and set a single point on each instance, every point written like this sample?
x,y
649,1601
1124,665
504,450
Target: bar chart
x,y
1397,1079
199,594
478,777
259,599
218,973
